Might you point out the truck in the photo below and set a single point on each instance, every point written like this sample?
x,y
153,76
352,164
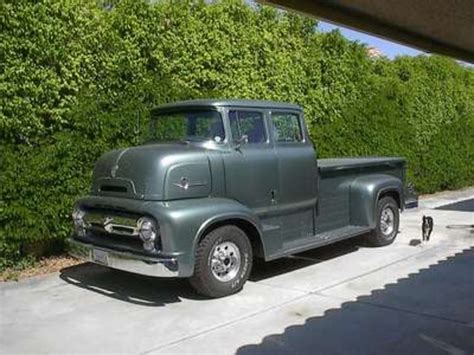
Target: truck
x,y
219,183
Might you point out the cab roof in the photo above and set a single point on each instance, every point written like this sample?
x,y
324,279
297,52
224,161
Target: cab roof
x,y
229,103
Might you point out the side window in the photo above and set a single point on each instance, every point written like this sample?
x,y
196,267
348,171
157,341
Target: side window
x,y
247,123
286,127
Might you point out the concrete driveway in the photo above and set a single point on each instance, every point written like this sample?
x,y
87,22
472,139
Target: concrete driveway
x,y
344,298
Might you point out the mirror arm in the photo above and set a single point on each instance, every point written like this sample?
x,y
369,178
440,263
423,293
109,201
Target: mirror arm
x,y
244,139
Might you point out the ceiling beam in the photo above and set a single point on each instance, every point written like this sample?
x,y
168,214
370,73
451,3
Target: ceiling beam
x,y
436,26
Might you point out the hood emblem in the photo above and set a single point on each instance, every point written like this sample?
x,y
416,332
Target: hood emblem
x,y
185,184
113,171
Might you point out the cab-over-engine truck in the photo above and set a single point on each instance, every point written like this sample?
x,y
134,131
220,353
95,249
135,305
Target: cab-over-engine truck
x,y
220,182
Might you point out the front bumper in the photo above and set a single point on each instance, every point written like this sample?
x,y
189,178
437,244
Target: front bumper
x,y
138,264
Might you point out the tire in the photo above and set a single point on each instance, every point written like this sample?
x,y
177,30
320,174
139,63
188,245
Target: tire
x,y
388,221
223,262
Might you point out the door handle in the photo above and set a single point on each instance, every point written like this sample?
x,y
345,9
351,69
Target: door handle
x,y
273,196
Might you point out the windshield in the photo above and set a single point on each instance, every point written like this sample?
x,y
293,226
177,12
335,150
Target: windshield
x,y
193,125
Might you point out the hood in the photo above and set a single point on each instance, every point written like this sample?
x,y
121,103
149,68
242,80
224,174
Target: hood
x,y
153,172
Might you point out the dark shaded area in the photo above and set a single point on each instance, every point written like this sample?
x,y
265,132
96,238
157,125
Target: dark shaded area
x,y
263,270
414,242
430,312
128,287
463,206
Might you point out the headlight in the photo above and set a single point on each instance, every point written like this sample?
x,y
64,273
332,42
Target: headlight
x,y
146,229
78,220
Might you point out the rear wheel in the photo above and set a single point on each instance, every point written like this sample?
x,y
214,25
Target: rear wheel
x,y
223,262
388,221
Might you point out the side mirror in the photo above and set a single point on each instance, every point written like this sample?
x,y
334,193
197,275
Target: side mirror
x,y
244,139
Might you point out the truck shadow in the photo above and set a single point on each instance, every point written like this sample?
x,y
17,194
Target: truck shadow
x,y
156,292
264,270
128,287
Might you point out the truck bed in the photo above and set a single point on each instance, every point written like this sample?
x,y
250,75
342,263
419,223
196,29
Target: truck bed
x,y
338,164
336,176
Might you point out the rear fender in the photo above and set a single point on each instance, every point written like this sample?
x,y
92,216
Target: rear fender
x,y
365,191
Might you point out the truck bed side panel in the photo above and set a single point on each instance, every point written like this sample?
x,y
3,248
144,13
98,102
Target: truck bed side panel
x,y
336,178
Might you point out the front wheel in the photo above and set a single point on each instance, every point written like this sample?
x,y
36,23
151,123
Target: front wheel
x,y
223,262
388,221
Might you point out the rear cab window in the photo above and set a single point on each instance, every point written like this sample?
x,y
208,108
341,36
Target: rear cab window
x,y
286,127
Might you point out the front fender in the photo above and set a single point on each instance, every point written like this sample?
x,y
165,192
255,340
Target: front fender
x,y
184,222
364,194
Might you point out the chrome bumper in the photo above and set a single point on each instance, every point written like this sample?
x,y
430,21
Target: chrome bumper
x,y
138,264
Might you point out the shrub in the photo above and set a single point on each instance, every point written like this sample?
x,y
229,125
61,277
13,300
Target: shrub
x,y
76,78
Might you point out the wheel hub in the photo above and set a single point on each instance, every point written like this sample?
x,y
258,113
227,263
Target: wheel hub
x,y
387,221
225,261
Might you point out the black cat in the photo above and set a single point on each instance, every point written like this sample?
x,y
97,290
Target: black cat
x,y
427,227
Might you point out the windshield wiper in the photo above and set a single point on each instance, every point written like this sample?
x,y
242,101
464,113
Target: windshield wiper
x,y
185,140
195,139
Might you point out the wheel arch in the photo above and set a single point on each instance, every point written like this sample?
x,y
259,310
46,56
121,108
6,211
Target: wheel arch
x,y
248,225
393,193
366,191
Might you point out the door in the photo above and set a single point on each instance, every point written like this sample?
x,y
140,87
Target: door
x,y
251,166
297,178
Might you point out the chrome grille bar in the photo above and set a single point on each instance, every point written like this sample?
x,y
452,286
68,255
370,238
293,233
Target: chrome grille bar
x,y
110,223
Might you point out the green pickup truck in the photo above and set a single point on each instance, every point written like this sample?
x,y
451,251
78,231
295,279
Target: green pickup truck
x,y
221,182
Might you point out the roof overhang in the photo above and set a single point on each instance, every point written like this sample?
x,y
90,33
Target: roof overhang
x,y
437,26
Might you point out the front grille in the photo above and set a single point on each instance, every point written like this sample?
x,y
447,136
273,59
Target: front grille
x,y
123,230
115,230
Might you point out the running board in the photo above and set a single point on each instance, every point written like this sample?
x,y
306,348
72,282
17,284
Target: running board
x,y
320,240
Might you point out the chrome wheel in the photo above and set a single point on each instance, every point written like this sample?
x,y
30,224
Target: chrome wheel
x,y
225,261
387,221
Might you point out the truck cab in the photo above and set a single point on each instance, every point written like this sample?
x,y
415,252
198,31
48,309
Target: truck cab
x,y
218,183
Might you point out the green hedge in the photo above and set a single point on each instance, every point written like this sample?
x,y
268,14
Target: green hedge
x,y
76,76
